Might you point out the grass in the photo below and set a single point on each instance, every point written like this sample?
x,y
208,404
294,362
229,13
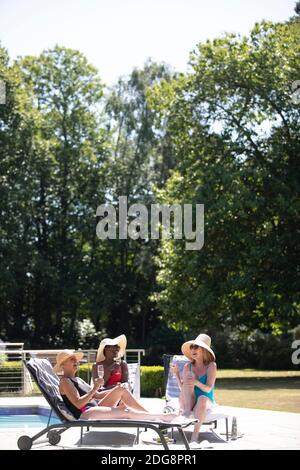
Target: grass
x,y
254,373
268,390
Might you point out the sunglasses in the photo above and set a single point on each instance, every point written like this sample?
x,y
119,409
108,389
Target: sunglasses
x,y
194,346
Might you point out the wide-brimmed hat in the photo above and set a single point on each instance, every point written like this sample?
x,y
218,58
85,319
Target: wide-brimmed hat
x,y
118,341
203,340
64,356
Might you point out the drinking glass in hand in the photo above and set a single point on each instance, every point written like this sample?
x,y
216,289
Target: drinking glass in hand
x,y
100,371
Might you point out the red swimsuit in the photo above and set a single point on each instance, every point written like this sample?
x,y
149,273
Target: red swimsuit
x,y
116,376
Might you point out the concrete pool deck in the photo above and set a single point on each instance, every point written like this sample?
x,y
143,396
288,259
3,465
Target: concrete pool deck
x,y
260,429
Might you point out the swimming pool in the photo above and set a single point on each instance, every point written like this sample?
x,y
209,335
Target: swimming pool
x,y
26,417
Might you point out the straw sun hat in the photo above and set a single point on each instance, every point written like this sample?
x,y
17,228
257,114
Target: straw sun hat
x,y
202,340
64,356
118,341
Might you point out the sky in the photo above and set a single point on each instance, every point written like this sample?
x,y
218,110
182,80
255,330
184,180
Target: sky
x,y
118,35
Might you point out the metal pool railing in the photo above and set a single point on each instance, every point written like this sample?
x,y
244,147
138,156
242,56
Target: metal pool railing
x,y
15,379
11,374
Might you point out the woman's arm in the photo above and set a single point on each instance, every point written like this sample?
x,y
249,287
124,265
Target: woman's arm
x,y
211,378
67,388
125,372
177,375
100,395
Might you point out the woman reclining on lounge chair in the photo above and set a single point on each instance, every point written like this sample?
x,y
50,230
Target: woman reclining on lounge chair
x,y
85,402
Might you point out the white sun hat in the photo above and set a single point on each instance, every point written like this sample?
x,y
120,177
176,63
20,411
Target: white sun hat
x,y
202,340
118,341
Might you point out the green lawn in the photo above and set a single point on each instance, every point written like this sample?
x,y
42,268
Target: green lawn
x,y
254,373
269,390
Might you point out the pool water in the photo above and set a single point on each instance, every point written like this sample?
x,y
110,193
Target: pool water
x,y
31,418
22,421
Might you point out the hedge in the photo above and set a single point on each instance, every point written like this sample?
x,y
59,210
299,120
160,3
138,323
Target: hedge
x,y
83,372
152,381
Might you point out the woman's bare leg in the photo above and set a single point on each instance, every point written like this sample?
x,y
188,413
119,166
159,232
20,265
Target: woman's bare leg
x,y
129,400
112,398
119,393
199,413
105,412
187,399
121,405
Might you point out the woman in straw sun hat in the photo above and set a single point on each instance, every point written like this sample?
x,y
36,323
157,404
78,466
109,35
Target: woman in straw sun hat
x,y
109,355
87,402
198,380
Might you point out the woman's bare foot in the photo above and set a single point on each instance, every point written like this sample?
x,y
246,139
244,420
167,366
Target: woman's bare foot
x,y
168,417
187,414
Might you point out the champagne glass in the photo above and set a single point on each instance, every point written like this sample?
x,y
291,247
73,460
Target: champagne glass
x,y
100,371
117,360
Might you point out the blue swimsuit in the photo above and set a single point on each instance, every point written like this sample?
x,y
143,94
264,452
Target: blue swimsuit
x,y
199,392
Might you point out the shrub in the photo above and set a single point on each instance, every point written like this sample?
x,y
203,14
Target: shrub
x,y
152,381
257,350
84,373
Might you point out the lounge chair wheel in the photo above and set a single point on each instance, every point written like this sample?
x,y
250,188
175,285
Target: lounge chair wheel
x,y
24,443
54,437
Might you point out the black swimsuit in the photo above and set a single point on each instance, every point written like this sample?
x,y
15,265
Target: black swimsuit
x,y
83,389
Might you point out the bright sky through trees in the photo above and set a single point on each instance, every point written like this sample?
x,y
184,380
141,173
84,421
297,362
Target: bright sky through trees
x,y
117,35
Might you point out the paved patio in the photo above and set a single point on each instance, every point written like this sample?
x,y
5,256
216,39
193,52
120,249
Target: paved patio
x,y
260,429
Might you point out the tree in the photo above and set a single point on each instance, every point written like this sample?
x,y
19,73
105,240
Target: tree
x,y
61,169
139,158
78,150
17,123
236,129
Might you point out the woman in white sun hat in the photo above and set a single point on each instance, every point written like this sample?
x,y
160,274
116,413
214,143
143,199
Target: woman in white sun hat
x,y
198,380
86,402
109,355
